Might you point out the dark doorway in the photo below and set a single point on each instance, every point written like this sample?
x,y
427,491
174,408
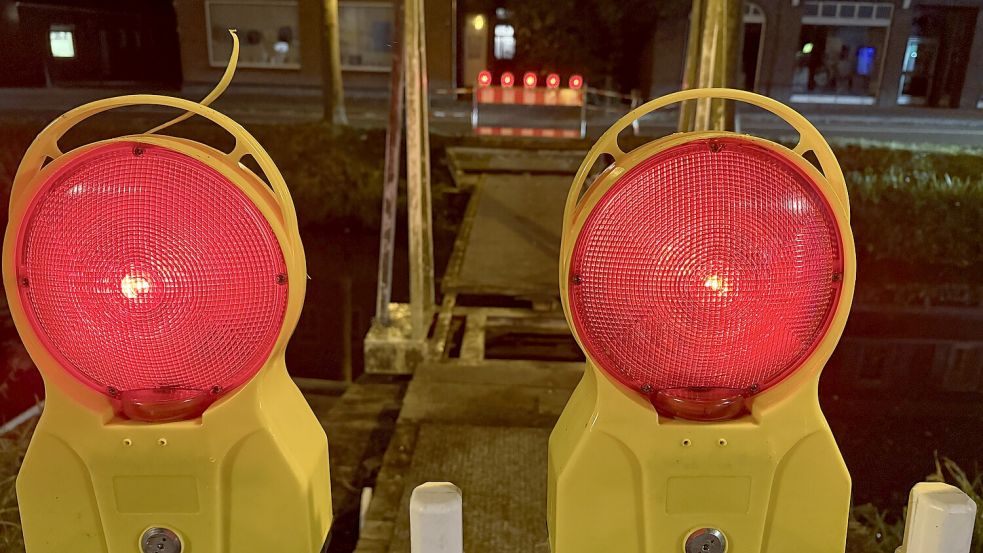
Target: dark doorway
x,y
936,57
750,54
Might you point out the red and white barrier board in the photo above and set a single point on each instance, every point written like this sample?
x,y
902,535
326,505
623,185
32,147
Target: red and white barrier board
x,y
529,96
527,131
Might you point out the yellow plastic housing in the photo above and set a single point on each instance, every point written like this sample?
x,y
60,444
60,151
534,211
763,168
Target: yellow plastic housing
x,y
622,478
249,476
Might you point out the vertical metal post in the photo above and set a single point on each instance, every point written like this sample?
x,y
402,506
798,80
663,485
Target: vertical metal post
x,y
636,100
719,55
474,106
390,185
418,172
425,189
711,61
583,111
687,109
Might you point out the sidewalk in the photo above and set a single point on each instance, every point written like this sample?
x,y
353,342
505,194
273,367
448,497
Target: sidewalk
x,y
451,114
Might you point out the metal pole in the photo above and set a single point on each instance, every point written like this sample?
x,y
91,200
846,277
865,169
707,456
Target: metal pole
x,y
687,109
426,189
418,174
712,55
390,185
719,43
583,111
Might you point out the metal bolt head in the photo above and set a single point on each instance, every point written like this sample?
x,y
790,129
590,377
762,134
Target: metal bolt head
x,y
160,540
706,540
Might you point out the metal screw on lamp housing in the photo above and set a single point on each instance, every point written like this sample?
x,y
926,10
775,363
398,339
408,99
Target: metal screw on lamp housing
x,y
160,540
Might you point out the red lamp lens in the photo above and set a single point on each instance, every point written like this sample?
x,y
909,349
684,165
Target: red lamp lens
x,y
553,80
530,79
484,78
576,81
146,272
508,79
712,266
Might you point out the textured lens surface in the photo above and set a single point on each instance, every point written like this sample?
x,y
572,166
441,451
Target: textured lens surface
x,y
714,264
142,268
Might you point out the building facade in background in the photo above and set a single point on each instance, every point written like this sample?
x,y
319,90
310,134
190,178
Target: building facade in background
x,y
884,54
281,42
47,43
843,52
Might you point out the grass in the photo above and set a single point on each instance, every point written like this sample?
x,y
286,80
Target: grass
x,y
873,530
946,470
12,449
335,177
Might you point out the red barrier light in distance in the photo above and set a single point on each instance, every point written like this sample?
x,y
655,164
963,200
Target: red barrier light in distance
x,y
508,79
553,81
530,79
576,82
484,78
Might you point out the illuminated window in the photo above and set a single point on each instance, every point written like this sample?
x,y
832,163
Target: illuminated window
x,y
841,51
504,42
268,33
62,41
366,35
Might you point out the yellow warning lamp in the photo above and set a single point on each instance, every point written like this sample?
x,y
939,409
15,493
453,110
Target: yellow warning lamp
x,y
707,276
155,282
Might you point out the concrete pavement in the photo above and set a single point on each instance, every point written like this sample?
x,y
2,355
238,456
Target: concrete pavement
x,y
452,115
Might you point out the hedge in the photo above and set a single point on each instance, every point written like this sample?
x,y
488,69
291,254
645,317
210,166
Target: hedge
x,y
917,211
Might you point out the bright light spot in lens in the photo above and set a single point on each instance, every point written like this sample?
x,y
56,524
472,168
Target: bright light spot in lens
x,y
479,22
717,284
807,48
133,286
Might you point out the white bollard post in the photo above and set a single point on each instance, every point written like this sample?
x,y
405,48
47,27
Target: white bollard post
x,y
940,520
436,519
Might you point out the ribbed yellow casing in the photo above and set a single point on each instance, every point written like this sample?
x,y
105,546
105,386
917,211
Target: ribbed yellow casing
x,y
623,479
249,476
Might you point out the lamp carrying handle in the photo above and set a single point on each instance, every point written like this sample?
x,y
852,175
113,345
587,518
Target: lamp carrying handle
x,y
810,140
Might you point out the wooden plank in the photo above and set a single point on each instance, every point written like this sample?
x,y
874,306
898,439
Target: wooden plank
x,y
505,160
456,261
498,394
512,247
358,427
473,343
380,519
502,473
